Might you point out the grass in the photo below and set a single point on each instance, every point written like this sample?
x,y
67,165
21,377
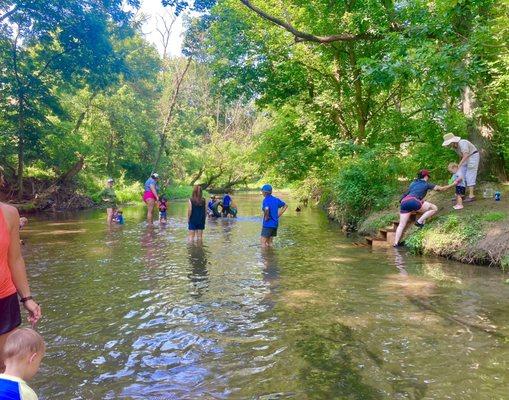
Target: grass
x,y
372,224
494,216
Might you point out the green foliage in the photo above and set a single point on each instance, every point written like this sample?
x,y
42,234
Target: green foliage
x,y
179,192
447,235
364,184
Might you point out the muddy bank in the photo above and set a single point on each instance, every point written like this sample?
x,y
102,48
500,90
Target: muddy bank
x,y
48,197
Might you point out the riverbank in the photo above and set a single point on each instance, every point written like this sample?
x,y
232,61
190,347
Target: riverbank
x,y
478,234
72,197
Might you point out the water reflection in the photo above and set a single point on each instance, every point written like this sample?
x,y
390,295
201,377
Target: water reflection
x,y
198,275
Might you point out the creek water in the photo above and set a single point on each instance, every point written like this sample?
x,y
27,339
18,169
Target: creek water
x,y
134,312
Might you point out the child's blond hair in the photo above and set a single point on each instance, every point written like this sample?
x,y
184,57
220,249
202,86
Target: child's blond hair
x,y
23,342
452,165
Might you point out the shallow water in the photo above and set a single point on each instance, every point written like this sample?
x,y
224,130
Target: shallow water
x,y
134,312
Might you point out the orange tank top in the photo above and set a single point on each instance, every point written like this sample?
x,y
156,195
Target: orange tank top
x,y
7,287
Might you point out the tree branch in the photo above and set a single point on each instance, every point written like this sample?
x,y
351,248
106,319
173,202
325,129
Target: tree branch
x,y
8,13
301,36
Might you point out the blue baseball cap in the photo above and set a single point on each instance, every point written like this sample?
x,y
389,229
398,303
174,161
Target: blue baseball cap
x,y
267,188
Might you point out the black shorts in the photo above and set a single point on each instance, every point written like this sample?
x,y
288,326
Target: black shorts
x,y
409,206
10,315
461,190
269,232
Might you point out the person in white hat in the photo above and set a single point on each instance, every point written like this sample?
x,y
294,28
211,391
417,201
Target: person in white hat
x,y
151,196
469,160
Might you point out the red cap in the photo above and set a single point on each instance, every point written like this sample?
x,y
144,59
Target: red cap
x,y
424,172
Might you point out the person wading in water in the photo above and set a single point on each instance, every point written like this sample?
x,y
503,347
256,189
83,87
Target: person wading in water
x,y
13,277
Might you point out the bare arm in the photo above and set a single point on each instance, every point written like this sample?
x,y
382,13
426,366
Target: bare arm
x,y
464,159
189,210
282,210
444,188
154,190
17,265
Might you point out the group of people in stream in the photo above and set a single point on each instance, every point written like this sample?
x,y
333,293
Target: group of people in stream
x,y
464,177
198,209
22,349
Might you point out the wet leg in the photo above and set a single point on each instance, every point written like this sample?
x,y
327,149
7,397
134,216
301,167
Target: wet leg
x,y
403,220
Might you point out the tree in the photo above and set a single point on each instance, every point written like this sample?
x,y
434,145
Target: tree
x,y
41,45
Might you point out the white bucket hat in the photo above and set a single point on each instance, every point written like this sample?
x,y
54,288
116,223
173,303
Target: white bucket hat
x,y
450,138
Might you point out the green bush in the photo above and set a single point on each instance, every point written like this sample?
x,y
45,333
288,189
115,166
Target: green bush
x,y
365,183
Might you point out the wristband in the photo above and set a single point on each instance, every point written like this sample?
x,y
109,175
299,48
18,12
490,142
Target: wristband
x,y
25,299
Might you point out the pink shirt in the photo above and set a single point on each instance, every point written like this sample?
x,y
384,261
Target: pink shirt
x,y
7,287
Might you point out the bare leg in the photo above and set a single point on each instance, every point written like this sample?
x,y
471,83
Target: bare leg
x,y
109,215
428,210
191,236
403,220
264,242
471,191
150,210
199,236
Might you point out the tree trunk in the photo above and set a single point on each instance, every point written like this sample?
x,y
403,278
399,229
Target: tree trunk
x,y
169,114
360,106
480,133
21,146
197,176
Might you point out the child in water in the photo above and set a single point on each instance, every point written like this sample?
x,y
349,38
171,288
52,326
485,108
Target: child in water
x,y
23,352
459,181
119,217
163,208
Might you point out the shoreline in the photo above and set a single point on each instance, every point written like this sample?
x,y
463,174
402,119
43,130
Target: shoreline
x,y
476,235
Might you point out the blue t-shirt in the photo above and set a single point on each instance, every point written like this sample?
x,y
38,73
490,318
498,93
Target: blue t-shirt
x,y
210,204
14,388
227,200
151,181
419,188
273,204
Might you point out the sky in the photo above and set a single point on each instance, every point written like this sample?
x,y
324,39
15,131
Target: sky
x,y
153,9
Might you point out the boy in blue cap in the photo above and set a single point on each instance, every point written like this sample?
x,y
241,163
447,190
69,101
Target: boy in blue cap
x,y
272,208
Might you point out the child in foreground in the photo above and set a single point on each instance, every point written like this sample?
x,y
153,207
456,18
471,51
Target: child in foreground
x,y
458,180
23,352
272,208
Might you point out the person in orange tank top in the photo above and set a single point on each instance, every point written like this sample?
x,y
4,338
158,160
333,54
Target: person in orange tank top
x,y
13,277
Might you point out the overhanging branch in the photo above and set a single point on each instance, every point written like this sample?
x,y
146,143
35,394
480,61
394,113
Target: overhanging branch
x,y
301,36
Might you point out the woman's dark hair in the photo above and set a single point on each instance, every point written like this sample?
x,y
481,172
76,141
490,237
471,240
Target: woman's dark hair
x,y
197,197
422,174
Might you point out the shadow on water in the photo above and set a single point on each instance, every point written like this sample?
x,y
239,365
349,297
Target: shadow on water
x,y
337,365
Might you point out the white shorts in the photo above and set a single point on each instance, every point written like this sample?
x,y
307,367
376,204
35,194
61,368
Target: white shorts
x,y
470,168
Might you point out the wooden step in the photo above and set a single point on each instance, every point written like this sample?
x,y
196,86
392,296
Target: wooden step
x,y
388,234
376,242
